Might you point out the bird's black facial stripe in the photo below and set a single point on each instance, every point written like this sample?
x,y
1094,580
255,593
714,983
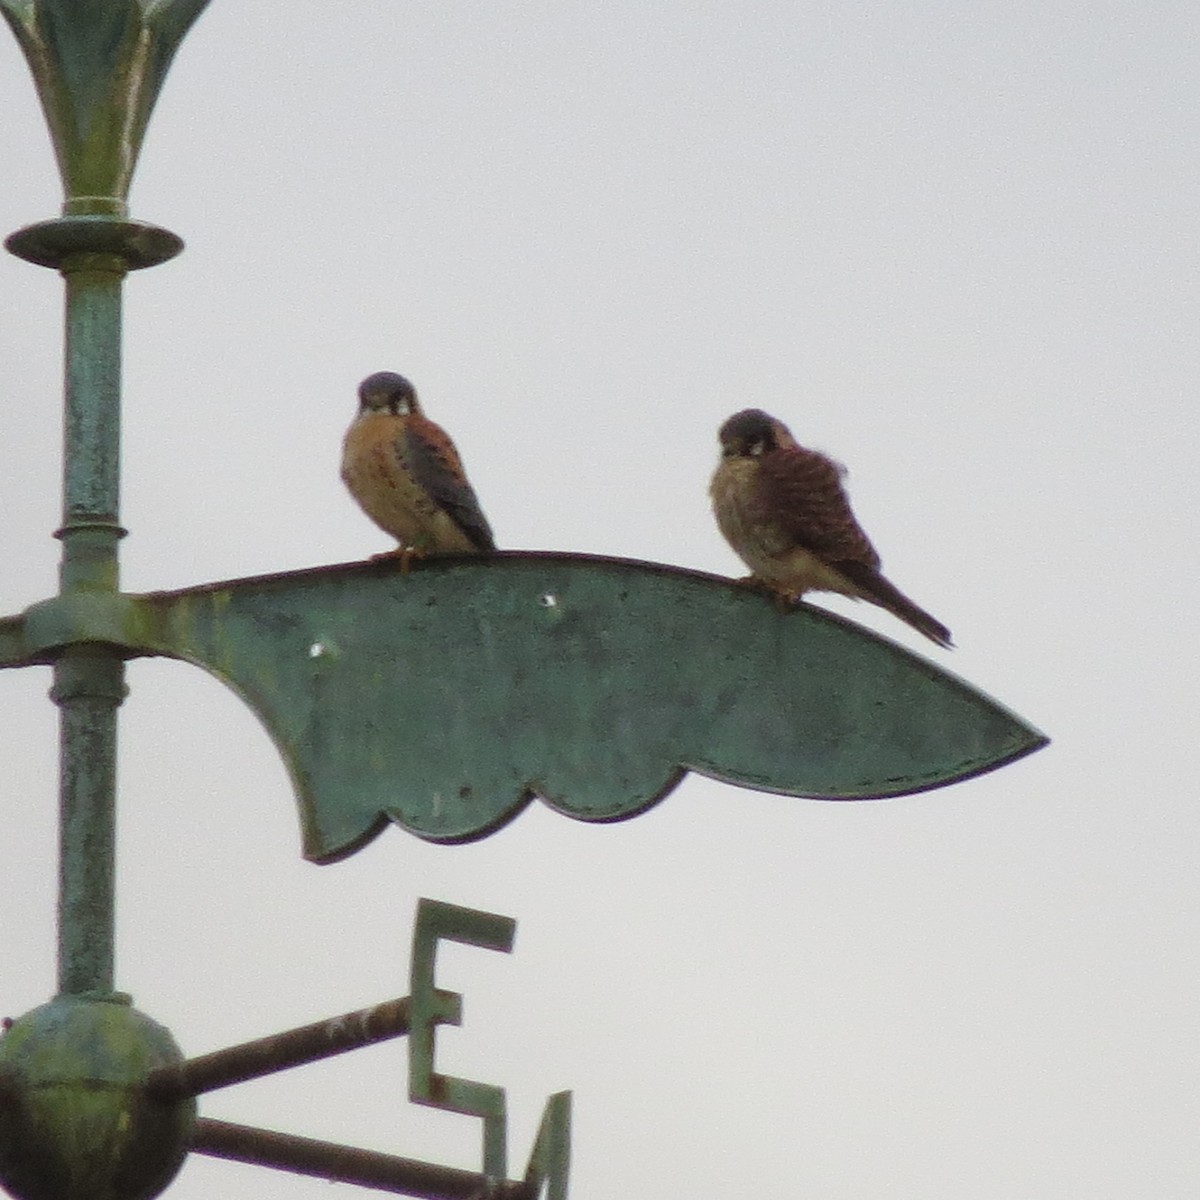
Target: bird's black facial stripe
x,y
748,447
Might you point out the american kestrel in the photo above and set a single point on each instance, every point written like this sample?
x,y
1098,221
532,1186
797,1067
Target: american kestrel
x,y
406,474
783,510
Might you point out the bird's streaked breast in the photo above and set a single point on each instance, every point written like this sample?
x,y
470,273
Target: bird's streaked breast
x,y
373,469
762,543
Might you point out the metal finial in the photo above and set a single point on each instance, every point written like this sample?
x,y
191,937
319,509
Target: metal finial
x,y
98,66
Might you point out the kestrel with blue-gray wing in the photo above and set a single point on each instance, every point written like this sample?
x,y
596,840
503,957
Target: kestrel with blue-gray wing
x,y
406,474
784,511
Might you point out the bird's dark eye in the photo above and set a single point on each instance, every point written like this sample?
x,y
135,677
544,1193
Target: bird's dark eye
x,y
757,447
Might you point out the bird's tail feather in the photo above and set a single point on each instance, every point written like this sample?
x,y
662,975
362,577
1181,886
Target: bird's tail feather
x,y
881,591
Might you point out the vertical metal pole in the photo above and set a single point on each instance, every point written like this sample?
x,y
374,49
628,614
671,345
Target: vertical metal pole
x,y
98,67
88,686
92,431
89,680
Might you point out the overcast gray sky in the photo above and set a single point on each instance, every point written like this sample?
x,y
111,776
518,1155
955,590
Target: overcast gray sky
x,y
952,244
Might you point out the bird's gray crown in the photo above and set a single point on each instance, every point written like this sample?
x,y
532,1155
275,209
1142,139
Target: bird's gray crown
x,y
746,427
387,390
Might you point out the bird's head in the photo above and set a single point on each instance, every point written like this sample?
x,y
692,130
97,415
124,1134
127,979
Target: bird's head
x,y
387,392
750,433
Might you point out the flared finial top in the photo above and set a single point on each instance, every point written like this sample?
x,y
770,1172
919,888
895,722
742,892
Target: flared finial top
x,y
99,66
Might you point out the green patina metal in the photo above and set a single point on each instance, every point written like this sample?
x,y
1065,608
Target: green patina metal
x,y
89,679
77,1124
445,697
74,1120
417,1017
550,1162
432,1007
88,688
98,66
106,244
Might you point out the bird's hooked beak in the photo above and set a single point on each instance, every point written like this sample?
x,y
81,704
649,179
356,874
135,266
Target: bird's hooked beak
x,y
393,405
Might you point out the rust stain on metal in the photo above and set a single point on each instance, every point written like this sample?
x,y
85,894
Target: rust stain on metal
x,y
278,1052
346,1164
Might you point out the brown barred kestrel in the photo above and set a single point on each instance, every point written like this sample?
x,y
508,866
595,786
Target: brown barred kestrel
x,y
783,510
406,474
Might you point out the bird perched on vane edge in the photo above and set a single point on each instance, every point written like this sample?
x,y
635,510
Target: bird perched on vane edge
x,y
784,511
406,474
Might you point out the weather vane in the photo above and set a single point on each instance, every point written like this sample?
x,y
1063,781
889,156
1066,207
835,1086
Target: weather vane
x,y
591,684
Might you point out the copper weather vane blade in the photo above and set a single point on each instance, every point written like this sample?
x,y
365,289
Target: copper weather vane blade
x,y
444,698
